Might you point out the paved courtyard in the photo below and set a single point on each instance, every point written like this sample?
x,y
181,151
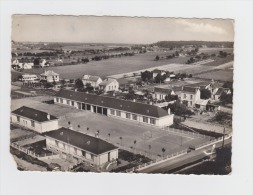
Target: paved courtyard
x,y
111,129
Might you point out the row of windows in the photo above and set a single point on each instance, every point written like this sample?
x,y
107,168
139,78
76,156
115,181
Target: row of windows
x,y
75,150
32,122
134,116
60,100
111,87
191,96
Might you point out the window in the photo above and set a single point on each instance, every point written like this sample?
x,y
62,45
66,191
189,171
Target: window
x,y
61,101
64,146
72,103
57,143
18,118
84,153
75,150
134,117
128,115
112,112
161,96
118,113
152,121
145,119
184,95
92,157
57,99
190,103
68,102
191,97
32,123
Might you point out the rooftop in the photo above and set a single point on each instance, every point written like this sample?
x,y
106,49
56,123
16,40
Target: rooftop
x,y
33,114
49,73
91,78
80,140
187,89
162,90
107,81
109,102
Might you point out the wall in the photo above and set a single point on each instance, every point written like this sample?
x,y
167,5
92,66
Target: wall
x,y
49,125
103,158
27,123
165,121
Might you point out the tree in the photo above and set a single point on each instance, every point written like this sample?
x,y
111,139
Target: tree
x,y
205,94
36,61
226,98
78,127
134,143
163,150
158,78
79,83
149,148
109,135
121,138
157,58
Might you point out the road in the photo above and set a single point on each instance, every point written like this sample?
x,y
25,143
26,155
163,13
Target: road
x,y
181,161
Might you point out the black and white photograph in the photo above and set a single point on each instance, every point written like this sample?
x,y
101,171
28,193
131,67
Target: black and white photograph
x,y
126,97
87,97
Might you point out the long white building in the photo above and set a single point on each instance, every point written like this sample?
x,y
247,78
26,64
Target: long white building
x,y
112,107
33,119
78,147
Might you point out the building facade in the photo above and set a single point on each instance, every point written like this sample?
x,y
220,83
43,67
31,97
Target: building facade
x,y
117,108
33,119
79,147
94,81
160,93
50,76
109,84
190,95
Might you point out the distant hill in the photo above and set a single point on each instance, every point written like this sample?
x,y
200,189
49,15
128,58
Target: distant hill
x,y
173,44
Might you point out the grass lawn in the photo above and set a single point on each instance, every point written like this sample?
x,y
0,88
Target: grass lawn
x,y
217,75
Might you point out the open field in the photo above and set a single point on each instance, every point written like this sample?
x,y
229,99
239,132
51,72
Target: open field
x,y
220,75
111,66
129,131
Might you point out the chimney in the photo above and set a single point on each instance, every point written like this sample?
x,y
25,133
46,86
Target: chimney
x,y
168,111
48,116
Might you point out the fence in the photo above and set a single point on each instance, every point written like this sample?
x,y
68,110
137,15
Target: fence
x,y
197,147
194,134
29,152
157,161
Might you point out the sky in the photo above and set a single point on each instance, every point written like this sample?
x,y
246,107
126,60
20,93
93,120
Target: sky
x,y
129,30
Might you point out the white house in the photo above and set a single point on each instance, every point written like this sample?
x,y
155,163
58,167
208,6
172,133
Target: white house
x,y
94,81
156,72
190,95
28,65
34,119
50,76
29,77
160,93
109,84
79,147
219,92
127,110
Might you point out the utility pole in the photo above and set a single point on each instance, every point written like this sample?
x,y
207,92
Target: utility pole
x,y
223,138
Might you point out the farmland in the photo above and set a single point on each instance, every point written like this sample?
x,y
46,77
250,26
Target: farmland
x,y
221,75
112,66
